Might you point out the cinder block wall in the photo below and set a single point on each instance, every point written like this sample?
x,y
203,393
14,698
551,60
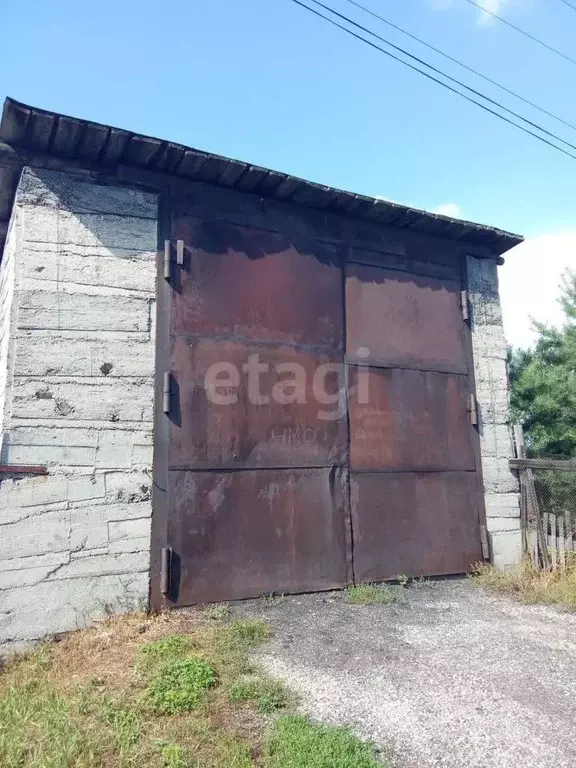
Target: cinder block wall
x,y
80,263
489,347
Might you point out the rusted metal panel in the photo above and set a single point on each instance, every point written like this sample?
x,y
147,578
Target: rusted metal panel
x,y
243,534
401,320
242,405
257,285
417,524
409,420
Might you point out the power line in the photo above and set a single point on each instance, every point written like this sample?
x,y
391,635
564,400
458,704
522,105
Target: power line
x,y
437,71
523,31
569,4
434,79
461,63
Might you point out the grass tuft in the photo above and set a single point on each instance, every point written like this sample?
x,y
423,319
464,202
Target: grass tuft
x,y
181,685
270,695
216,611
248,632
371,594
529,584
295,742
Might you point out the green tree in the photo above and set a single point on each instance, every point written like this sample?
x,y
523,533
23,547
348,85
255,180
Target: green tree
x,y
543,383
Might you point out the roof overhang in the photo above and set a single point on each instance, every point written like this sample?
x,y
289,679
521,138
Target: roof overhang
x,y
94,145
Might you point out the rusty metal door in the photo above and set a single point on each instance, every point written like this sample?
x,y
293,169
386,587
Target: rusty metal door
x,y
413,479
360,467
257,496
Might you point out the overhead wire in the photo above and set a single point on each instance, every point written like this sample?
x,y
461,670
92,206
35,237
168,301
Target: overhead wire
x,y
462,64
435,79
522,31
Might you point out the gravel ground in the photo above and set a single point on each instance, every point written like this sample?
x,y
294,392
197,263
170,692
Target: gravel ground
x,y
450,676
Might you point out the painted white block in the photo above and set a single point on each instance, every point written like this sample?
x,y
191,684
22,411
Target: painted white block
x,y
128,487
32,492
103,565
506,548
496,440
109,513
501,505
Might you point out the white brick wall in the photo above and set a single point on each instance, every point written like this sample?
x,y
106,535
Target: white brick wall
x,y
75,544
489,346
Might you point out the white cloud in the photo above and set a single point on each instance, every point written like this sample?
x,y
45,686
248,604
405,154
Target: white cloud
x,y
529,284
448,209
483,18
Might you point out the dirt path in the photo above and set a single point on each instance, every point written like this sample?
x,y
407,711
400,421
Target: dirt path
x,y
449,677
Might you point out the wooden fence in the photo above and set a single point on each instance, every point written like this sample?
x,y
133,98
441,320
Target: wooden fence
x,y
548,535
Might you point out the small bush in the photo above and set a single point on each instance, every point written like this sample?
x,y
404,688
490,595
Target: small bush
x,y
248,632
181,685
371,594
295,742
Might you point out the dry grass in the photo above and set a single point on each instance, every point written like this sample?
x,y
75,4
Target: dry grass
x,y
531,585
83,701
170,691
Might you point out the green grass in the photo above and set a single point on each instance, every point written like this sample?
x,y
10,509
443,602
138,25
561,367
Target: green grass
x,y
371,594
295,742
216,611
270,695
529,584
181,685
168,691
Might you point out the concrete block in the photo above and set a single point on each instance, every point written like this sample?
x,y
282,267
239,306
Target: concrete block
x,y
102,565
32,492
68,605
129,529
114,450
53,269
48,560
500,524
47,455
80,312
109,513
80,195
496,441
87,534
501,505
506,548
489,341
35,535
86,488
141,544
89,233
108,400
128,487
23,578
497,475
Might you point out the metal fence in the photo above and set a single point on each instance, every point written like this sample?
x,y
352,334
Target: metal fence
x,y
548,503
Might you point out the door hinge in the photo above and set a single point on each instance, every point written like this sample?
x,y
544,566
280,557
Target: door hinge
x,y
165,563
180,253
485,542
473,408
166,392
168,257
167,260
465,305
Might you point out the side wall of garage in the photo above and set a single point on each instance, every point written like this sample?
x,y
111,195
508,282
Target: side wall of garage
x,y
489,347
77,353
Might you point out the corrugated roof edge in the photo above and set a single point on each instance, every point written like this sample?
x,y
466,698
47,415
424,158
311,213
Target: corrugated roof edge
x,y
94,144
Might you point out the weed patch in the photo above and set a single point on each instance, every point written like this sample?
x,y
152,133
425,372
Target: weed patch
x,y
181,686
529,584
295,742
371,594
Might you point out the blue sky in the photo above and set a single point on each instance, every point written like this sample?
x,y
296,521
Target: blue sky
x,y
266,82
